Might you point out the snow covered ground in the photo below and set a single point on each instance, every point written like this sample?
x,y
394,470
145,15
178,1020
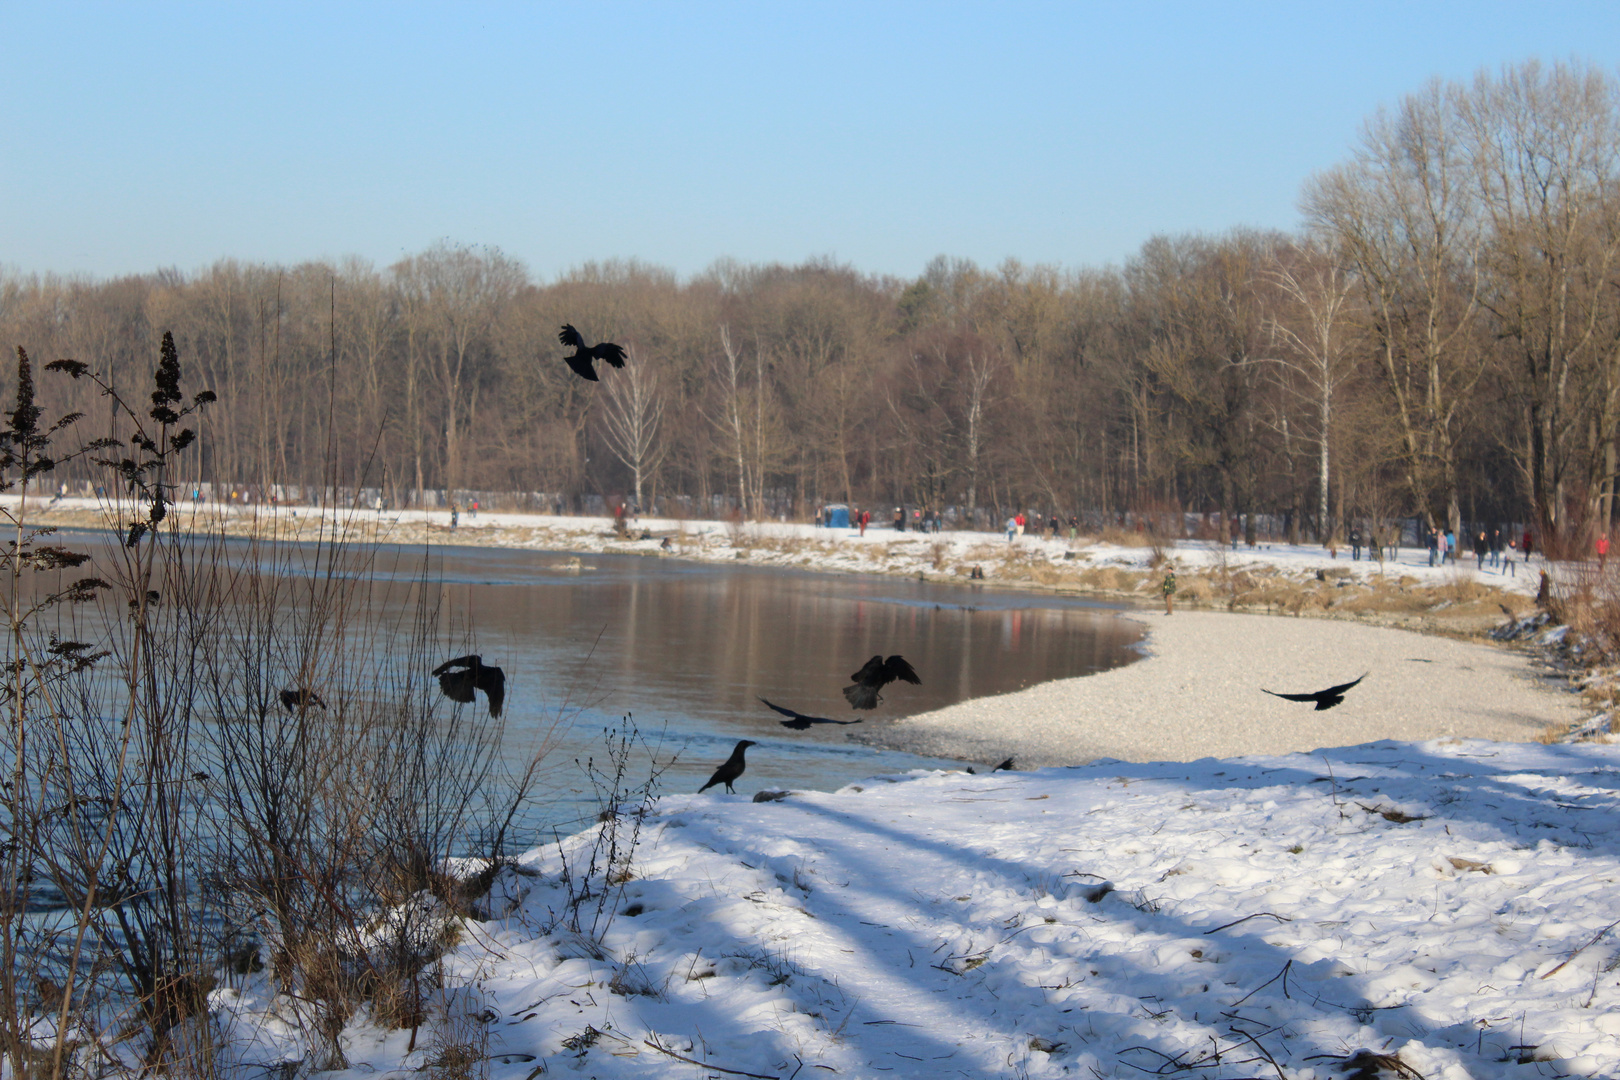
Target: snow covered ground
x,y
1444,904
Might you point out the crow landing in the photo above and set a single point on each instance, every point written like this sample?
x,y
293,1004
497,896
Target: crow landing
x,y
292,699
583,354
799,722
877,674
474,675
1325,699
729,769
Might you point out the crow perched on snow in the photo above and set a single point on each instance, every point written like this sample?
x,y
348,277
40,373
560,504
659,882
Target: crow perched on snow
x,y
730,769
474,675
799,722
292,699
1325,699
583,354
877,674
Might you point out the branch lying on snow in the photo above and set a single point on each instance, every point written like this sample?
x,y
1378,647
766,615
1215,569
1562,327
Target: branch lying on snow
x,y
1595,939
1246,918
662,1049
1283,975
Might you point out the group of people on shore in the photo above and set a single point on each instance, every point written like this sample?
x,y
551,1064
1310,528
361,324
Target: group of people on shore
x,y
1502,552
1018,523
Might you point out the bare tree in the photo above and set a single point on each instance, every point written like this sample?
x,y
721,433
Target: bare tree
x,y
453,296
633,406
1315,345
979,371
1544,144
1402,213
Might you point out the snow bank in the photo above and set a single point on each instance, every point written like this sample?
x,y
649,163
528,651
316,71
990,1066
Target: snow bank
x,y
1442,901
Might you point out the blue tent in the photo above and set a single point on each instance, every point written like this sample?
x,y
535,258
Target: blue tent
x,y
835,516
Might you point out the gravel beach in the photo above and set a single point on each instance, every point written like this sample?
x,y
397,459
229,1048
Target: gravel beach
x,y
1198,694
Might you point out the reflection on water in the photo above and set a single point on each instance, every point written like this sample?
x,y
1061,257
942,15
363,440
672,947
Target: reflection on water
x,y
688,649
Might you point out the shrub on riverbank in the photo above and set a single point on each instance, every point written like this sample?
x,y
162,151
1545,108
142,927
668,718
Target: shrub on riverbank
x,y
173,823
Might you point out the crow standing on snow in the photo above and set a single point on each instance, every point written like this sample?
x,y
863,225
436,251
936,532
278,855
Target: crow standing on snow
x,y
877,674
292,699
799,722
1325,699
474,675
583,354
730,769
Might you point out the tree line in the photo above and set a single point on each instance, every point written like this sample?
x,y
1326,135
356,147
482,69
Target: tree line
x,y
1440,338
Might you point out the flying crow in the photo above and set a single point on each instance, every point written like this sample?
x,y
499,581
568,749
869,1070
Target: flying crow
x,y
877,674
799,722
1325,699
730,769
583,354
292,699
474,674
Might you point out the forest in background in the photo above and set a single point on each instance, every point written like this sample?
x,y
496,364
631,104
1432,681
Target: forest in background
x,y
1440,339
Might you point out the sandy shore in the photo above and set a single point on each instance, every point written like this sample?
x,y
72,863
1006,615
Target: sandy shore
x,y
1198,695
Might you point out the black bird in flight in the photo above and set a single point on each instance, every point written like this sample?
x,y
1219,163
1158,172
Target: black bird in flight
x,y
1325,699
474,674
292,699
877,674
799,722
729,769
583,354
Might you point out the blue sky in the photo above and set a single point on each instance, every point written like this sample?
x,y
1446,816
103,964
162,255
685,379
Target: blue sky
x,y
135,136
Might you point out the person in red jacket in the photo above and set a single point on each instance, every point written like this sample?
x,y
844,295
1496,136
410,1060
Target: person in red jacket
x,y
1602,550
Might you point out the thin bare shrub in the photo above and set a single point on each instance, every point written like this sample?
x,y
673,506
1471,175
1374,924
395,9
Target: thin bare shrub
x,y
626,789
172,819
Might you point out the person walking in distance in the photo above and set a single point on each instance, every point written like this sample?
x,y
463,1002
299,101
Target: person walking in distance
x,y
1168,588
1602,551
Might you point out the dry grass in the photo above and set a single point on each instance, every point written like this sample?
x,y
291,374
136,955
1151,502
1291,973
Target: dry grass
x,y
1107,579
1127,538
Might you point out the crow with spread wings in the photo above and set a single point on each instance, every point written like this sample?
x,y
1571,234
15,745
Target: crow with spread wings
x,y
1325,699
877,674
583,354
472,674
798,721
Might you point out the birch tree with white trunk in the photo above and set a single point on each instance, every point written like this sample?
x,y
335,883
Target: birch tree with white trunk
x,y
632,408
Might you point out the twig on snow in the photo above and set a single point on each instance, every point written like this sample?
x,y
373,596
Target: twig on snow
x,y
1595,939
1246,918
662,1049
1283,975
